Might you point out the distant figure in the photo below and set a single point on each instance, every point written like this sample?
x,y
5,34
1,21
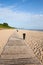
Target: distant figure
x,y
24,36
17,30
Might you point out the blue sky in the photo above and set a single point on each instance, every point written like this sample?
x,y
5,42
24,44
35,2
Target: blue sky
x,y
22,13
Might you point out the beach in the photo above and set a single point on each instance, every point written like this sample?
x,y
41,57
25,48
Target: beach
x,y
4,36
33,39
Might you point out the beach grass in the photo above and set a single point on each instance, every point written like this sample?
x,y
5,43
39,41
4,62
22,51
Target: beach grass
x,y
5,26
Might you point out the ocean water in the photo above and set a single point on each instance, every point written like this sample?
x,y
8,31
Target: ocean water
x,y
30,29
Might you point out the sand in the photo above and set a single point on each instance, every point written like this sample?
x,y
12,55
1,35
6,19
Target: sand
x,y
4,36
33,38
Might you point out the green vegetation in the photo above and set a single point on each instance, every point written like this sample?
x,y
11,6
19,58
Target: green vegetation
x,y
6,26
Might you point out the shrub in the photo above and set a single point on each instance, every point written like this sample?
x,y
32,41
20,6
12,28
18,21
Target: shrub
x,y
5,24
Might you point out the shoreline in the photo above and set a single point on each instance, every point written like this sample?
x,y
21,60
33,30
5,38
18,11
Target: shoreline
x,y
31,29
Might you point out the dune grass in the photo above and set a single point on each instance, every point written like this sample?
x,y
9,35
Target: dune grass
x,y
5,26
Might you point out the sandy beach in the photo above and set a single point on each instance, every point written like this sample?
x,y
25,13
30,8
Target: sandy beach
x,y
4,35
33,38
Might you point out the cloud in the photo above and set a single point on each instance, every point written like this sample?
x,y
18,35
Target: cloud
x,y
14,17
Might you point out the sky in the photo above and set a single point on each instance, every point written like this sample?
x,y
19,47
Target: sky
x,y
26,14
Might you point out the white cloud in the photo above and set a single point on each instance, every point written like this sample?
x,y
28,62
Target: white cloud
x,y
10,16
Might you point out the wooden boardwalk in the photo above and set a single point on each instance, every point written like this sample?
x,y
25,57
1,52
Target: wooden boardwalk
x,y
17,52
